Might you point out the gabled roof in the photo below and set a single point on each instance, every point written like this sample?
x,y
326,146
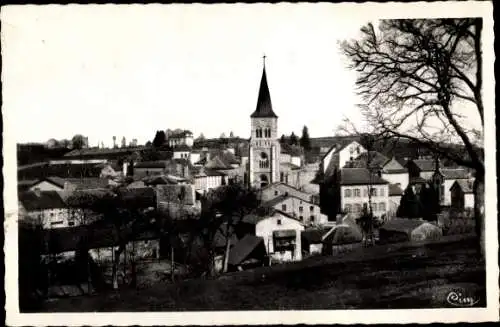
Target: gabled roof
x,y
359,176
289,165
395,190
314,235
44,200
216,163
393,166
88,183
244,248
401,224
58,181
264,107
343,234
465,185
457,173
254,217
425,164
377,160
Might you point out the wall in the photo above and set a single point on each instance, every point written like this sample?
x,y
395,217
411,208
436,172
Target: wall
x,y
181,155
363,198
270,146
293,206
350,151
57,218
447,192
279,189
194,157
394,202
469,200
141,172
205,183
265,229
296,160
399,178
427,175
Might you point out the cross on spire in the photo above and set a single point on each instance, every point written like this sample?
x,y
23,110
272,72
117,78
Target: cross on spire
x,y
264,59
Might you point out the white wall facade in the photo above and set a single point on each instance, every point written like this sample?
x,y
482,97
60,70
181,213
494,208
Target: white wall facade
x,y
181,155
194,157
265,229
278,189
57,217
359,195
307,212
206,183
469,200
350,152
397,178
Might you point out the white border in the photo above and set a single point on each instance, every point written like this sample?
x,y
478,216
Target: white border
x,y
371,11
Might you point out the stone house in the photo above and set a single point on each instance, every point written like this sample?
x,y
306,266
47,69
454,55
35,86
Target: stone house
x,y
307,212
462,195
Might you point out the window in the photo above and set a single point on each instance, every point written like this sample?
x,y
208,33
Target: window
x,y
275,192
301,209
263,160
381,206
54,223
374,207
278,221
374,192
357,192
283,207
357,207
258,133
312,219
365,192
311,208
282,177
347,193
382,192
286,193
71,223
301,218
348,208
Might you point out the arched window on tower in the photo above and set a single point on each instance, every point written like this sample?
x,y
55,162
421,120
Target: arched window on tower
x,y
263,160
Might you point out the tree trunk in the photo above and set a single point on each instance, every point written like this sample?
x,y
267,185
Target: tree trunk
x,y
116,261
479,214
172,263
226,254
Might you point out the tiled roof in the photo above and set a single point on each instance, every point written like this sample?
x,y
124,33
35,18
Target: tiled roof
x,y
394,166
465,185
143,197
377,160
293,150
219,240
289,165
359,176
313,235
395,189
216,163
181,147
264,107
88,183
32,201
254,218
98,151
425,164
181,134
343,234
242,249
274,201
455,173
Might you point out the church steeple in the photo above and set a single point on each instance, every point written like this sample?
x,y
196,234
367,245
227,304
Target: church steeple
x,y
264,107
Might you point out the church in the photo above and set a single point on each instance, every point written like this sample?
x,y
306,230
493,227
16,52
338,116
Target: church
x,y
268,162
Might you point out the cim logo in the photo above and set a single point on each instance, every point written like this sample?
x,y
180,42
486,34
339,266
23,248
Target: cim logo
x,y
461,298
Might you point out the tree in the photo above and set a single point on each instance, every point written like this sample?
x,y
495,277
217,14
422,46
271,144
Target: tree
x,y
223,136
305,142
231,135
78,141
413,74
200,138
293,139
160,139
148,144
429,202
409,206
124,142
224,208
282,139
114,141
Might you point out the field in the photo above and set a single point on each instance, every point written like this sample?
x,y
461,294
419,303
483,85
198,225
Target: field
x,y
393,276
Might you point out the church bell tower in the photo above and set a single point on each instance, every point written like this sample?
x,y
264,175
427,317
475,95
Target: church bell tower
x,y
264,144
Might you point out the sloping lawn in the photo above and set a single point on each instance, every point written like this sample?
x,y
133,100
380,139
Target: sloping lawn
x,y
378,277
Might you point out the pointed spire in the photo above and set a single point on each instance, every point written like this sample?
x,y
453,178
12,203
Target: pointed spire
x,y
264,107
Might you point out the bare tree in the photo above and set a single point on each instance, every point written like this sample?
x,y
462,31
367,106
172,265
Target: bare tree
x,y
413,76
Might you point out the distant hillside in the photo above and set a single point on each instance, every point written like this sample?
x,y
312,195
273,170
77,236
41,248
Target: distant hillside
x,y
31,153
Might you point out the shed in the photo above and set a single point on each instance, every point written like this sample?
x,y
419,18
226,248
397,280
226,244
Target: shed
x,y
403,230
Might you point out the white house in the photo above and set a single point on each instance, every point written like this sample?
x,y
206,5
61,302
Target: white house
x,y
281,234
274,190
307,212
395,173
449,178
462,195
355,184
339,155
48,184
207,179
184,137
395,194
182,152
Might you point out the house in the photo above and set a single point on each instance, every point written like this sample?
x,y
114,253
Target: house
x,y
395,194
180,137
276,189
207,179
462,194
52,183
404,230
48,210
289,174
420,170
395,173
281,233
292,154
178,201
341,238
307,212
375,159
88,183
338,155
450,175
249,252
312,240
146,168
355,183
181,152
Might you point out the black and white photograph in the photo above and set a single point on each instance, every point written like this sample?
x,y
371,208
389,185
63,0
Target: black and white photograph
x,y
249,163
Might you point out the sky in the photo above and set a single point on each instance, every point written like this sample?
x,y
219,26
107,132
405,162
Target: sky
x,y
130,70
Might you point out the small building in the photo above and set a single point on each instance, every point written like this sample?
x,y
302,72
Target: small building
x,y
421,168
307,212
146,168
249,252
449,178
312,240
281,233
52,183
207,179
355,183
404,230
395,173
276,189
462,194
338,155
342,238
395,194
182,137
182,152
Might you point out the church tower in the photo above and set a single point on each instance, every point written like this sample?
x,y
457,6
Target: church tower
x,y
264,144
